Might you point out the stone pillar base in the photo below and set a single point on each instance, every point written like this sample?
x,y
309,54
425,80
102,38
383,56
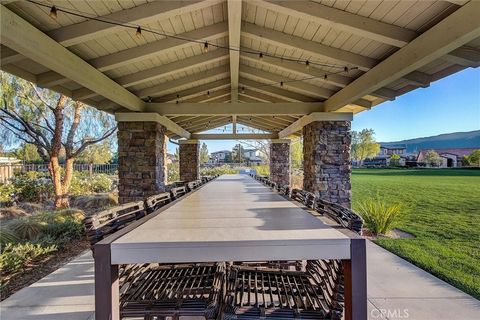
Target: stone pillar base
x,y
141,160
280,162
189,160
326,165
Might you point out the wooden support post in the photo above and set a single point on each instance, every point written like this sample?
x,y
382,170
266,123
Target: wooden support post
x,y
355,273
107,300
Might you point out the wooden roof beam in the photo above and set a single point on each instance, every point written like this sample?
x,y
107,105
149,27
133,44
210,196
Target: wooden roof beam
x,y
92,29
231,136
194,91
234,25
459,28
315,116
343,21
276,91
196,109
286,41
21,36
168,86
153,117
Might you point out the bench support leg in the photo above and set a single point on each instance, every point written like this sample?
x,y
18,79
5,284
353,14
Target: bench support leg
x,y
107,302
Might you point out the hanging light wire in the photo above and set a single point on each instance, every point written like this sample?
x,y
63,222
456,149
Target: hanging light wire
x,y
54,10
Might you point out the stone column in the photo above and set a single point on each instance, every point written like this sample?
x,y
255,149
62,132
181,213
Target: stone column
x,y
141,160
189,160
280,162
326,160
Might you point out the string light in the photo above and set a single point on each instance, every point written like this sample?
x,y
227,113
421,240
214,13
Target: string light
x,y
307,64
325,76
345,69
53,12
208,93
281,84
138,33
205,47
243,89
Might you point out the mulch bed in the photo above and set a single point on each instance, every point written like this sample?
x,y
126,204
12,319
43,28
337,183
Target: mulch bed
x,y
13,282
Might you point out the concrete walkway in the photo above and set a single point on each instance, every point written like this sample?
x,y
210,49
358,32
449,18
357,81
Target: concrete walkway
x,y
396,290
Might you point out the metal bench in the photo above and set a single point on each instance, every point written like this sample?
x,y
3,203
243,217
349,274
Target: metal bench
x,y
253,293
343,216
106,222
178,192
157,201
305,197
285,190
150,291
192,185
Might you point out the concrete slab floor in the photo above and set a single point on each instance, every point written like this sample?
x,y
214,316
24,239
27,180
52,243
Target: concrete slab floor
x,y
396,290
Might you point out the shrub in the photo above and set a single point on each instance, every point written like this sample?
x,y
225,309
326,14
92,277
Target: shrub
x,y
6,193
262,170
62,232
25,228
11,212
101,183
32,186
7,236
94,201
83,183
218,171
16,256
60,216
173,173
378,217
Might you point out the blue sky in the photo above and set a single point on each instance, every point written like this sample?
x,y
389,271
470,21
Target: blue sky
x,y
448,105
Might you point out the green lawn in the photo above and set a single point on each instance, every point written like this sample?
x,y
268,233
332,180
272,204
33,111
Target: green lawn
x,y
442,211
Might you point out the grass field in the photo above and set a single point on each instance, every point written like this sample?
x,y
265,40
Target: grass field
x,y
441,209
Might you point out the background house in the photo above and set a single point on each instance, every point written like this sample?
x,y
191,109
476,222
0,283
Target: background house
x,y
252,156
220,157
451,158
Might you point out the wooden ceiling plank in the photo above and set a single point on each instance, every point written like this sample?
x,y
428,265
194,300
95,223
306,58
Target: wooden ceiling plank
x,y
180,82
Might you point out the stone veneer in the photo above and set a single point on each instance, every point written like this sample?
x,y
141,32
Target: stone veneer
x,y
280,162
326,160
189,160
141,160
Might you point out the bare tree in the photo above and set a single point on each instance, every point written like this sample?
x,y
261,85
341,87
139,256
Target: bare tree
x,y
53,123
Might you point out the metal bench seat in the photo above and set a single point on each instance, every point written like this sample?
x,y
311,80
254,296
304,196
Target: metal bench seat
x,y
305,197
108,221
192,185
342,215
157,201
149,291
260,293
285,190
178,192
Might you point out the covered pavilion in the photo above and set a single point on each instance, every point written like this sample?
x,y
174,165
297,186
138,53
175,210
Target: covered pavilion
x,y
288,68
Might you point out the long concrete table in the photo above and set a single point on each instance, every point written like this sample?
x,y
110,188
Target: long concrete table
x,y
232,218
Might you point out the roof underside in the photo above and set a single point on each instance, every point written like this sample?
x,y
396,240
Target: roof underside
x,y
380,42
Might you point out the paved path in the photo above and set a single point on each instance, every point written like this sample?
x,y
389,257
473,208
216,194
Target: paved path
x,y
394,286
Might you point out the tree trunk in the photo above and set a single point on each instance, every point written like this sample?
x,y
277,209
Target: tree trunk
x,y
55,171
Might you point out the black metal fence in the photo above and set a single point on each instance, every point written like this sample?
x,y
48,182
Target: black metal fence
x,y
7,171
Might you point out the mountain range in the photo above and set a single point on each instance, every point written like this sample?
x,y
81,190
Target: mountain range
x,y
469,139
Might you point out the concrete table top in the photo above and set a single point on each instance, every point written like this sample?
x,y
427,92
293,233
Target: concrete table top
x,y
232,218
